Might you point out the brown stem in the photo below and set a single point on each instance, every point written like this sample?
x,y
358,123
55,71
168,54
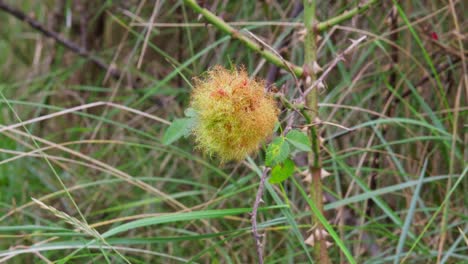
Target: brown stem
x,y
258,200
81,51
311,99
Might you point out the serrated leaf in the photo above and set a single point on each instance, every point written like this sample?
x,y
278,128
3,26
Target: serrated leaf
x,y
299,140
281,172
179,128
277,151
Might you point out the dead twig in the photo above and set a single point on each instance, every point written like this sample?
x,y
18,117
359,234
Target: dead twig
x,y
81,51
258,200
333,64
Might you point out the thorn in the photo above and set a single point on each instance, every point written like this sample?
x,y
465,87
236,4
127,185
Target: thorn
x,y
321,233
317,232
307,176
324,173
301,33
319,38
321,139
316,67
310,240
320,85
259,236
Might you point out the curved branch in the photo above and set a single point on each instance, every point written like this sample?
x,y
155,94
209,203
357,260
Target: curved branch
x,y
322,26
235,34
258,200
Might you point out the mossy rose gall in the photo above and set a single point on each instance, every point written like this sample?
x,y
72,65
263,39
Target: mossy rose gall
x,y
235,114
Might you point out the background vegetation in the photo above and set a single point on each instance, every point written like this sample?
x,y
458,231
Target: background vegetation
x,y
81,132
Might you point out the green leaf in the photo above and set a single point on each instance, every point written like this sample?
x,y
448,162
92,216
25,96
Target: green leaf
x,y
281,172
299,140
277,151
179,128
181,217
277,126
190,112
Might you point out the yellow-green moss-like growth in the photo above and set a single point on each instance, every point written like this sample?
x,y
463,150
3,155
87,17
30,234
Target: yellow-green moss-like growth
x,y
234,113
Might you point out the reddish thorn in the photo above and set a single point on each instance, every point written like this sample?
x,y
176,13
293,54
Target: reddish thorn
x,y
434,36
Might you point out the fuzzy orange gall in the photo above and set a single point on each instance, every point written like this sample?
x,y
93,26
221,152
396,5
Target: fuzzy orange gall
x,y
235,114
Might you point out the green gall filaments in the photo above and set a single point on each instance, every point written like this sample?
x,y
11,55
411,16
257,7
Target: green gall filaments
x,y
234,113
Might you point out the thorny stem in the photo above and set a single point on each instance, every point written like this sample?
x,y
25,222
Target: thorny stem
x,y
249,43
310,60
258,200
259,47
309,111
322,26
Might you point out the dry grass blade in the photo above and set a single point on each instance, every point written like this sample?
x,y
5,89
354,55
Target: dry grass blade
x,y
77,224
